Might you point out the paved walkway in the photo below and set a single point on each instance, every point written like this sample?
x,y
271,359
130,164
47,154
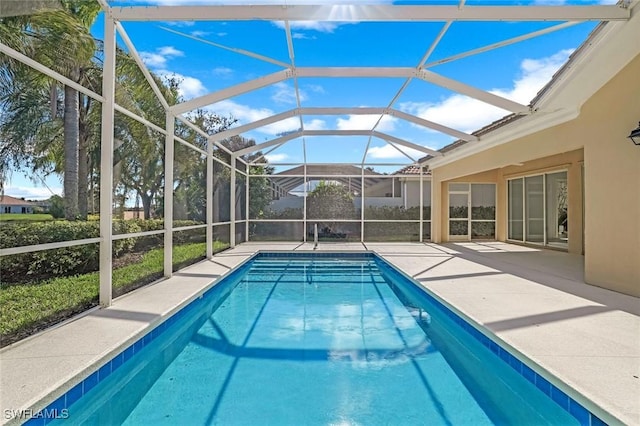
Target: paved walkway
x,y
534,301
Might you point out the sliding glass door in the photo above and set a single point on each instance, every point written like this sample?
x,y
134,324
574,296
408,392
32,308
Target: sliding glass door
x,y
537,209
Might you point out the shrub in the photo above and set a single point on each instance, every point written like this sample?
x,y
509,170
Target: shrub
x,y
80,259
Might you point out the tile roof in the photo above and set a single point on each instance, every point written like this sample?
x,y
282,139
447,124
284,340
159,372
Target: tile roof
x,y
411,170
7,200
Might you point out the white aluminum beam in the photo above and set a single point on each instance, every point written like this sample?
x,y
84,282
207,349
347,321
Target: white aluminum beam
x,y
203,133
230,92
145,71
139,119
432,125
341,110
230,49
501,44
47,246
168,195
298,134
408,144
255,161
189,145
209,201
232,204
267,144
393,145
361,13
355,72
106,163
254,125
49,72
473,92
336,132
435,43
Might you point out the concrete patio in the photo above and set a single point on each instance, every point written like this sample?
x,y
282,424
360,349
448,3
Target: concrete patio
x,y
534,301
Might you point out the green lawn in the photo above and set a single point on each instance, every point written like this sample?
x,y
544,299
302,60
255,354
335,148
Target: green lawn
x,y
32,307
25,217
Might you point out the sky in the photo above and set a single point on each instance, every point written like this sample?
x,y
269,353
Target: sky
x,y
205,57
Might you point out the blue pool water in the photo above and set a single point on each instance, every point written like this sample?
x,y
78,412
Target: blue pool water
x,y
318,341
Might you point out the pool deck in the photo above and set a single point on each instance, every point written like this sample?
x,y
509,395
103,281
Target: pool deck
x,y
534,301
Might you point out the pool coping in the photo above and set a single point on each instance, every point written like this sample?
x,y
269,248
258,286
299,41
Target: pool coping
x,y
70,384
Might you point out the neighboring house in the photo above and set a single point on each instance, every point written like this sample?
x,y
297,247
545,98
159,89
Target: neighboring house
x,y
10,204
396,190
409,186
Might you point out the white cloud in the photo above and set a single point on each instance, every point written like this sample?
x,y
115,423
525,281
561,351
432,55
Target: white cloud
x,y
285,94
159,58
366,122
302,36
222,72
319,26
169,51
221,34
315,124
198,33
387,152
315,88
31,193
180,23
469,114
188,87
243,113
274,158
153,60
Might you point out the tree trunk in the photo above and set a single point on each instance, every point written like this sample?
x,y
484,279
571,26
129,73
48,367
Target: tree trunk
x,y
83,157
83,179
146,205
71,141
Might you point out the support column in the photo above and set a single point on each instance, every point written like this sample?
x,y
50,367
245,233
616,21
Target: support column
x,y
305,191
168,195
232,201
576,203
362,203
246,200
421,205
106,162
436,208
209,200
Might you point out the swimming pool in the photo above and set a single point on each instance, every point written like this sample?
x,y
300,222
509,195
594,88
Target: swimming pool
x,y
317,339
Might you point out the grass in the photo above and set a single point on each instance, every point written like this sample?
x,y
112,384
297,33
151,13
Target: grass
x,y
25,217
29,308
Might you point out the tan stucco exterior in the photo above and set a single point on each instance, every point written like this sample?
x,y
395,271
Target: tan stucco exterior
x,y
597,139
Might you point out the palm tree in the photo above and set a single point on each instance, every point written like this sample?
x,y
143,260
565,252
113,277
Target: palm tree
x,y
59,39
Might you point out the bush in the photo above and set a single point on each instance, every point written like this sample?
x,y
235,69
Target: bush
x,y
57,206
81,259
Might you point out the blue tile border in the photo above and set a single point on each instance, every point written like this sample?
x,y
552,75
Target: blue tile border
x,y
59,407
573,407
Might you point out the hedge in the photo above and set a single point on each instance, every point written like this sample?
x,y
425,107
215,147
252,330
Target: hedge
x,y
81,259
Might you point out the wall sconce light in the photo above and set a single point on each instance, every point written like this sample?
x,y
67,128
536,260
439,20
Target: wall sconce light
x,y
635,135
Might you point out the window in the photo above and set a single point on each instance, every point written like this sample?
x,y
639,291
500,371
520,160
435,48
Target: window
x,y
472,211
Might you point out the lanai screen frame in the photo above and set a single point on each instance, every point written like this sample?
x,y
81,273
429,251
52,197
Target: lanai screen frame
x,y
286,13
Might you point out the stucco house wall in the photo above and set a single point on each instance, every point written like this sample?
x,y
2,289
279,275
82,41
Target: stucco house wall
x,y
596,139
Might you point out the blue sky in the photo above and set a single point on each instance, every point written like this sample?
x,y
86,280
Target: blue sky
x,y
188,50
